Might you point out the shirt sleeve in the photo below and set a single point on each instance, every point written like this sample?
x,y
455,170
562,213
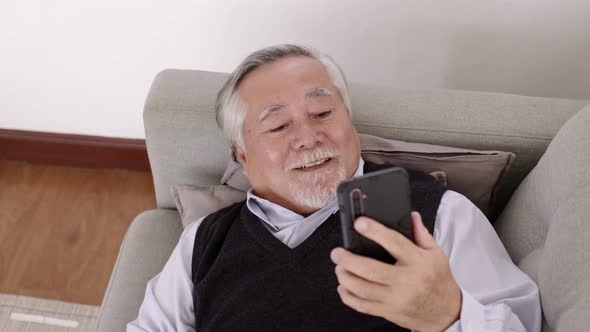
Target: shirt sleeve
x,y
497,295
168,302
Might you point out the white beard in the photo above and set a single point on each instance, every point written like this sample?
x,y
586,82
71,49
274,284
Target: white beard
x,y
316,189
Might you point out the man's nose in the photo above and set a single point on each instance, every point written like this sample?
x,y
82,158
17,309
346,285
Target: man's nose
x,y
306,136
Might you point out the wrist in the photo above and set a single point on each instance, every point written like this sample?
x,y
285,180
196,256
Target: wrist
x,y
454,310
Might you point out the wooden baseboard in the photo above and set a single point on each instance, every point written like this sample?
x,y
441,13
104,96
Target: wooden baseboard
x,y
73,150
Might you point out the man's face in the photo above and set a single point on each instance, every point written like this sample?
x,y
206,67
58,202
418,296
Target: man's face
x,y
295,117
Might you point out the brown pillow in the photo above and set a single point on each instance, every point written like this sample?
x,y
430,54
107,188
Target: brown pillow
x,y
194,202
473,173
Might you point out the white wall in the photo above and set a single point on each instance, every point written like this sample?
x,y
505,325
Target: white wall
x,y
85,66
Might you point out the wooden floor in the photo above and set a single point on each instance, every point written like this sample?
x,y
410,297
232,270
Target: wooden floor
x,y
61,227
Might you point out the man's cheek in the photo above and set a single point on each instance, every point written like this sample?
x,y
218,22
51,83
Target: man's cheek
x,y
275,159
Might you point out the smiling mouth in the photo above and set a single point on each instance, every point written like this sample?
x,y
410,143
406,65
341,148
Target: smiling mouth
x,y
314,165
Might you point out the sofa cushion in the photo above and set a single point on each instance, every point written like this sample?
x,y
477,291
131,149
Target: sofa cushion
x,y
473,173
547,222
147,245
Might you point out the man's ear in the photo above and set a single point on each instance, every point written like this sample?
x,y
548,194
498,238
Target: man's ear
x,y
241,157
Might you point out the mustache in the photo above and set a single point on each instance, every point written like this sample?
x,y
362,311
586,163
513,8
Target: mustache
x,y
310,157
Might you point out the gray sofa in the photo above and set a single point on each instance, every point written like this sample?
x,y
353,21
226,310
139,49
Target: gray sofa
x,y
545,224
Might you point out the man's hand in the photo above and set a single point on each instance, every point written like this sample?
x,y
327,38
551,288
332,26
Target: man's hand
x,y
418,292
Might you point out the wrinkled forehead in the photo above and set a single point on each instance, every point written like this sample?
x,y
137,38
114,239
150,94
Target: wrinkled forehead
x,y
283,82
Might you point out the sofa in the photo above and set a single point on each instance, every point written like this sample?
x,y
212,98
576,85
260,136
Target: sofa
x,y
543,202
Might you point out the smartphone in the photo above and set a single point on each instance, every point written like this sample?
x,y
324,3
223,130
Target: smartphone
x,y
382,195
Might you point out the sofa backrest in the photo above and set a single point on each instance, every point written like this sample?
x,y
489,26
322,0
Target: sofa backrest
x,y
185,146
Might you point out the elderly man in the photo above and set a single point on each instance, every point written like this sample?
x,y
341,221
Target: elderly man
x,y
273,262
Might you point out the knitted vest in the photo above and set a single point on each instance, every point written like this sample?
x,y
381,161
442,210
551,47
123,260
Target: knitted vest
x,y
245,279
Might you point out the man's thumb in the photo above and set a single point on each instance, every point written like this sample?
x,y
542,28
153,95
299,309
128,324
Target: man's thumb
x,y
422,237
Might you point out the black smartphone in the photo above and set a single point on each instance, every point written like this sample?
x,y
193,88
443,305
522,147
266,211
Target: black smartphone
x,y
382,195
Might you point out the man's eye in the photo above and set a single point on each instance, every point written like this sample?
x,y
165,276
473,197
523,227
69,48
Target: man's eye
x,y
277,129
323,114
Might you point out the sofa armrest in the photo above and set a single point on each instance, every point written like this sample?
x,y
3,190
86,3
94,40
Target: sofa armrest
x,y
147,245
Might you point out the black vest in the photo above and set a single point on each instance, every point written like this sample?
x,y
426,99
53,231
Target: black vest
x,y
245,279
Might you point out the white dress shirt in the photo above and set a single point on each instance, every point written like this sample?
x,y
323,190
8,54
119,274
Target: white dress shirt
x,y
497,296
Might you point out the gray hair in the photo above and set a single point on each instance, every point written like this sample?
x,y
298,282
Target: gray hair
x,y
230,110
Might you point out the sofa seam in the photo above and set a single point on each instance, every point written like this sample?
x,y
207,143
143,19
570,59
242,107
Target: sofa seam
x,y
453,131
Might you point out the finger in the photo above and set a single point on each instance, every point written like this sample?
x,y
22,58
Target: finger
x,y
365,267
394,242
422,236
361,287
357,303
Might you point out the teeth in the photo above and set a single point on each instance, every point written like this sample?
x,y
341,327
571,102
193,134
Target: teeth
x,y
315,163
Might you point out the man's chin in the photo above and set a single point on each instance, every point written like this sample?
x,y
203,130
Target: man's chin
x,y
315,180
312,198
317,191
